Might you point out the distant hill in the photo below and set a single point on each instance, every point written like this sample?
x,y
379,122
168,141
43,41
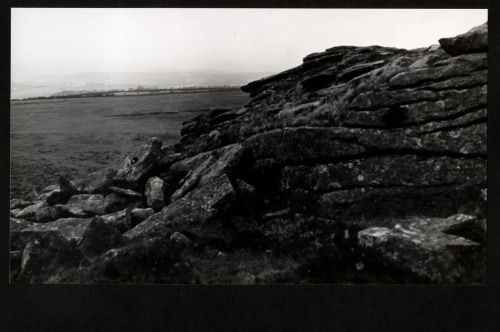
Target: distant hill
x,y
104,81
139,91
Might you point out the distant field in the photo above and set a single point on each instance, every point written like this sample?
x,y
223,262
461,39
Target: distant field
x,y
77,136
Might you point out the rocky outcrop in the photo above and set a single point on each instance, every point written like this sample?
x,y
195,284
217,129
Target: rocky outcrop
x,y
363,164
475,40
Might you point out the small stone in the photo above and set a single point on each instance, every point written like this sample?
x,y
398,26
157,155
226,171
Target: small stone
x,y
214,137
180,238
66,211
97,182
126,192
154,193
114,202
90,203
484,194
18,224
38,212
138,215
120,220
18,203
60,194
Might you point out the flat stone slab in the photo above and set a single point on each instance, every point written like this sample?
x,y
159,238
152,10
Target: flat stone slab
x,y
426,251
70,229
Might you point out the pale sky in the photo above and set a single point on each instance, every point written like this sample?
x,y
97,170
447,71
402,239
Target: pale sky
x,y
68,41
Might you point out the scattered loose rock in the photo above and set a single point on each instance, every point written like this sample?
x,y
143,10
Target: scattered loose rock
x,y
96,182
69,229
38,212
180,238
126,193
91,203
154,193
16,203
121,220
191,212
137,166
139,215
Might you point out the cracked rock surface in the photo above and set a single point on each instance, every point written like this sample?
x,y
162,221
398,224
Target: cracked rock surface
x,y
361,165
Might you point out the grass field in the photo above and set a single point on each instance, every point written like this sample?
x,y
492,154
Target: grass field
x,y
77,136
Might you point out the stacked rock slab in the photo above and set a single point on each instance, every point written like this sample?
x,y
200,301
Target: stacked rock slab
x,y
363,164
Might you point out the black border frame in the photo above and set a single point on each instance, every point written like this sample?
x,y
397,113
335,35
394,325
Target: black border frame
x,y
275,308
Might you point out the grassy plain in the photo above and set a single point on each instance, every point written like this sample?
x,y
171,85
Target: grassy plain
x,y
77,136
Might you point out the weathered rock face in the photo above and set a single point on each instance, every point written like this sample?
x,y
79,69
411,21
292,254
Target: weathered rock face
x,y
363,164
476,40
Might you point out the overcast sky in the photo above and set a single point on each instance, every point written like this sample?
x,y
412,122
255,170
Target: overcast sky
x,y
67,41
